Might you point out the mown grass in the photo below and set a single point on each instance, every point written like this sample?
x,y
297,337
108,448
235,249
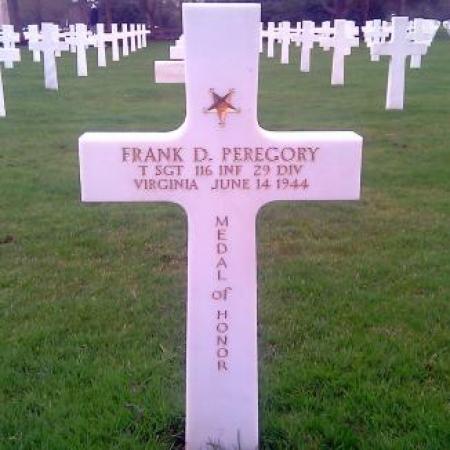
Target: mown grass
x,y
354,297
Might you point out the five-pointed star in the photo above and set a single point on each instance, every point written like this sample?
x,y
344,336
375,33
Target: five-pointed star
x,y
222,106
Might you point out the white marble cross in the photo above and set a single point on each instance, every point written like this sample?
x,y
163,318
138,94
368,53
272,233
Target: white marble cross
x,y
7,55
374,33
271,37
71,38
82,41
284,37
139,34
177,51
124,35
32,35
9,38
133,35
170,72
221,168
308,36
422,31
343,40
114,38
325,33
399,47
446,25
101,38
144,35
49,44
295,34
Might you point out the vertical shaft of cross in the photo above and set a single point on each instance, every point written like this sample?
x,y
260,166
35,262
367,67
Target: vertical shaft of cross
x,y
50,67
125,46
115,43
222,378
101,49
396,83
216,68
338,71
81,36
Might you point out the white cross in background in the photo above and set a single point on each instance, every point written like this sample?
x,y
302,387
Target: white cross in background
x,y
49,44
132,34
7,56
101,38
374,33
32,36
399,47
271,37
284,36
114,38
82,41
139,36
296,32
325,33
146,33
343,40
9,38
420,32
306,39
124,35
446,25
70,38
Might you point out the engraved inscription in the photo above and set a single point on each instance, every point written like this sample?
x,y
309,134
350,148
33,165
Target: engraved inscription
x,y
226,169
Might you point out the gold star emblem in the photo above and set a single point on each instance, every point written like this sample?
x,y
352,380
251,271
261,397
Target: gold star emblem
x,y
222,106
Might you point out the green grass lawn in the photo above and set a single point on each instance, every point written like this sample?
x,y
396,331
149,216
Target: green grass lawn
x,y
354,298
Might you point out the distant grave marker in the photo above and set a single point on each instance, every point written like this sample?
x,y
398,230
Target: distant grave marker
x,y
284,37
32,36
8,39
124,36
100,40
345,37
82,41
307,37
7,56
49,44
399,47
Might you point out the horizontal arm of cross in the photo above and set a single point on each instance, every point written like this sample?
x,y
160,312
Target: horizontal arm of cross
x,y
180,167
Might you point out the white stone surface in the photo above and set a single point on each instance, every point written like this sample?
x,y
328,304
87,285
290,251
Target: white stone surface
x,y
221,168
177,51
170,72
398,48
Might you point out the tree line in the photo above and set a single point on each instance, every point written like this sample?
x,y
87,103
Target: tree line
x,y
166,14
